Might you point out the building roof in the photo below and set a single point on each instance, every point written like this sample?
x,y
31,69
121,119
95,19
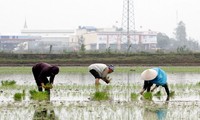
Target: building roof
x,y
47,31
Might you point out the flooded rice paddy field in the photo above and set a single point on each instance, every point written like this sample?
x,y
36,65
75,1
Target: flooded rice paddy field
x,y
71,98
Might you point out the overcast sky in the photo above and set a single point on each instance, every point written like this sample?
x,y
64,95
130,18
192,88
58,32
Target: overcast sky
x,y
157,15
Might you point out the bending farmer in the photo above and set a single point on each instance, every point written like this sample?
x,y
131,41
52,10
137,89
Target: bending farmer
x,y
41,71
154,76
100,71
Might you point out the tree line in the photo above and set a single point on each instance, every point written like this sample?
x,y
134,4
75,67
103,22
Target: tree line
x,y
179,44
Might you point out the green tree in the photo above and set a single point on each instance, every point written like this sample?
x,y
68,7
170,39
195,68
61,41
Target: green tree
x,y
181,32
163,41
184,45
81,41
82,49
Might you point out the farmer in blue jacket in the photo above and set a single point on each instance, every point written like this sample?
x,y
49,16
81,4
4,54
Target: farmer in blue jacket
x,y
154,76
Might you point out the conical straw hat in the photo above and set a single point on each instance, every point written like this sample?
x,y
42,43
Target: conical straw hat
x,y
149,74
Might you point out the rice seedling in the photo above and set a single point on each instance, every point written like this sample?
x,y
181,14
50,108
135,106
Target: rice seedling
x,y
35,95
148,96
23,92
134,96
100,96
8,83
18,96
48,86
158,94
32,92
171,93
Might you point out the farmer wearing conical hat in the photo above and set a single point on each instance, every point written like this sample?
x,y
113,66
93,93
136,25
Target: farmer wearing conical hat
x,y
154,76
43,70
101,71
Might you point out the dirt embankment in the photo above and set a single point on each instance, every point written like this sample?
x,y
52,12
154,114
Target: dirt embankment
x,y
74,59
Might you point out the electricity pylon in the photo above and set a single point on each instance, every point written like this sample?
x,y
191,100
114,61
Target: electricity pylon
x,y
128,21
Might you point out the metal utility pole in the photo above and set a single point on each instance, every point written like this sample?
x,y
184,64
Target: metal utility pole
x,y
128,21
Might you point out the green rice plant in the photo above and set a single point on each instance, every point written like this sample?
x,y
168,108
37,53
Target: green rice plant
x,y
148,96
134,96
8,83
18,96
23,92
48,86
171,93
158,94
35,95
100,96
32,92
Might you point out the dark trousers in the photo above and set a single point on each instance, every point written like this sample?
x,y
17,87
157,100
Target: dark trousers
x,y
95,73
148,84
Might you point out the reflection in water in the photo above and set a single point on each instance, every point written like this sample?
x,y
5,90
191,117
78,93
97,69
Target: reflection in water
x,y
44,111
155,112
161,113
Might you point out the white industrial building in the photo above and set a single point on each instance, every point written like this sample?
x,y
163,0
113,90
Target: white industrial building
x,y
98,39
102,39
55,41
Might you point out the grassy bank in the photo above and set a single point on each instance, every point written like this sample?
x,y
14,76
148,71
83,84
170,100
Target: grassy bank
x,y
84,69
71,59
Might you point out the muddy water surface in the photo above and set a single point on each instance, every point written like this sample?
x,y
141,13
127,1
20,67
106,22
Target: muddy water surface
x,y
71,99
